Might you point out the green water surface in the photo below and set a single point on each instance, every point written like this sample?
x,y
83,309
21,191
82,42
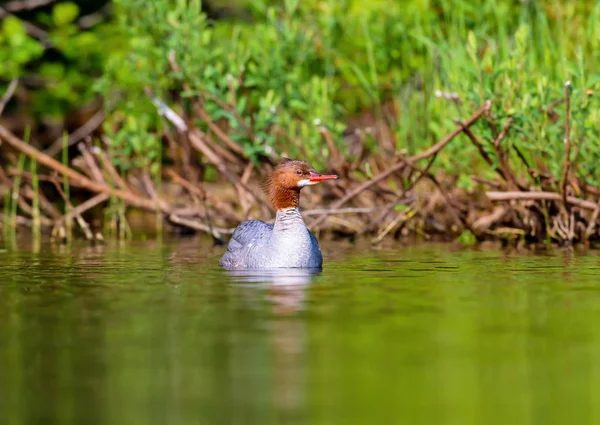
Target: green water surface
x,y
156,333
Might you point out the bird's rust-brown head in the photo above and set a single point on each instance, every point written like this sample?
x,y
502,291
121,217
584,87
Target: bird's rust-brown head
x,y
289,177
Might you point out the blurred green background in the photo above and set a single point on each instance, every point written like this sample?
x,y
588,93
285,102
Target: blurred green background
x,y
288,68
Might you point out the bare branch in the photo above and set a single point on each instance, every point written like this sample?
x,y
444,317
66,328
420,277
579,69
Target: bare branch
x,y
10,91
78,179
540,196
80,133
20,5
402,162
567,163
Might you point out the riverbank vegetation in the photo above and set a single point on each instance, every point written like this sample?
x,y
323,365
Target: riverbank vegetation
x,y
445,119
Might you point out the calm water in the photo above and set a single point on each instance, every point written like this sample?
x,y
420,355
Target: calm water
x,y
156,333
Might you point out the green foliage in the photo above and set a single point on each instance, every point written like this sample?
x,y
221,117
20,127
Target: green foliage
x,y
265,72
16,48
467,238
299,65
294,66
64,13
64,58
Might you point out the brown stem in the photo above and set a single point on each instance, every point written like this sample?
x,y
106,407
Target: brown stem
x,y
474,140
20,5
44,202
401,163
459,216
567,163
84,206
85,227
193,224
491,183
218,132
91,163
199,144
242,195
334,152
540,196
183,182
79,134
439,145
327,211
400,218
534,176
217,148
10,91
27,209
502,157
233,112
204,115
387,210
75,178
200,193
111,171
592,223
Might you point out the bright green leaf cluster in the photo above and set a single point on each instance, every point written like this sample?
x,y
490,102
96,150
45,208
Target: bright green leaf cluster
x,y
17,48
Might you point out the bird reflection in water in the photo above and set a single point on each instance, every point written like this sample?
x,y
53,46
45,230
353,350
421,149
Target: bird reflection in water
x,y
286,290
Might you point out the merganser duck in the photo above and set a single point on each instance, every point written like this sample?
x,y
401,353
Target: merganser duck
x,y
288,243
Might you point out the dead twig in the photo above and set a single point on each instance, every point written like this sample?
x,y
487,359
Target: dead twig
x,y
91,163
186,184
217,148
110,170
439,145
591,227
27,209
84,206
79,134
19,220
196,193
95,18
77,179
401,163
45,204
323,211
10,91
387,210
333,150
475,141
490,183
193,224
540,196
201,147
85,227
567,140
244,199
502,157
204,115
217,130
532,173
400,218
229,108
20,5
482,224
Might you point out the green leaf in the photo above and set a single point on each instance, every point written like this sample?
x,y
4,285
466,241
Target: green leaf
x,y
64,13
12,27
472,43
467,238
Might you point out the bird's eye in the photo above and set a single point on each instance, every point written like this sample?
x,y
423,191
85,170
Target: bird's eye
x,y
299,172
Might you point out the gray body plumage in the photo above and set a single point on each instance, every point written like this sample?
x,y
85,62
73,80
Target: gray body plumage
x,y
286,244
